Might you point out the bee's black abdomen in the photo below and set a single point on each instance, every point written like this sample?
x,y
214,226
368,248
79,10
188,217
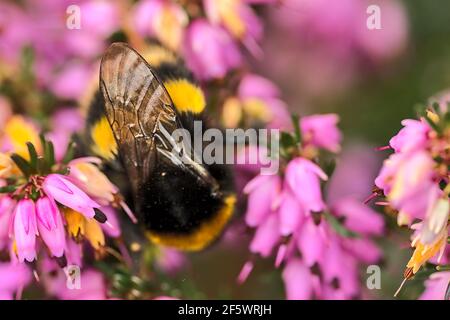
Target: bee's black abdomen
x,y
174,201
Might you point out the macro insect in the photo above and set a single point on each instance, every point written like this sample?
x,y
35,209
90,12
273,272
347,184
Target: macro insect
x,y
180,202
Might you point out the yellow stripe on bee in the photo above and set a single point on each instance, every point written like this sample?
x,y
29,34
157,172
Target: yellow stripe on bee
x,y
203,235
102,136
157,55
186,96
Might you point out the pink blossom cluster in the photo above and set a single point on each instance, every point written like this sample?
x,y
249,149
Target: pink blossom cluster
x,y
257,101
53,208
54,219
66,54
319,245
63,51
414,181
316,41
219,31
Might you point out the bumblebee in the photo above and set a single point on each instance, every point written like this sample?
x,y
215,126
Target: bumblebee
x,y
182,204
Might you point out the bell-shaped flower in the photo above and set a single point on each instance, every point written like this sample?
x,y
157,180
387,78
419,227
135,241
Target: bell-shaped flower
x,y
262,192
25,230
50,226
321,131
303,177
66,193
223,53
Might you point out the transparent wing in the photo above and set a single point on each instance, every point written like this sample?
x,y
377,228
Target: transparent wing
x,y
142,116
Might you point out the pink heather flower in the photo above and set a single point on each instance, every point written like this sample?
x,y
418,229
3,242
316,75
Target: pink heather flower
x,y
321,131
67,119
303,177
6,210
249,162
85,174
245,272
254,87
280,117
25,230
436,286
363,249
170,260
250,159
223,53
262,192
50,226
328,22
290,213
312,241
298,280
407,181
239,19
413,137
88,177
41,26
71,81
112,228
415,183
338,265
164,20
388,171
65,122
73,252
13,277
342,26
355,172
314,244
402,174
284,220
388,41
315,42
266,236
436,219
165,298
92,286
65,192
256,2
359,217
99,19
14,24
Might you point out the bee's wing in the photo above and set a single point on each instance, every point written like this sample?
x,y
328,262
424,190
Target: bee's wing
x,y
141,115
137,106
